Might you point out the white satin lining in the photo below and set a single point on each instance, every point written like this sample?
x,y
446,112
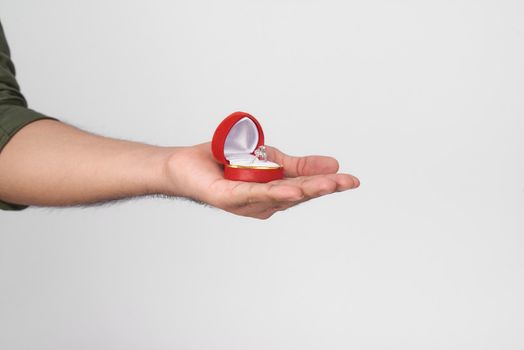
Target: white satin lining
x,y
240,144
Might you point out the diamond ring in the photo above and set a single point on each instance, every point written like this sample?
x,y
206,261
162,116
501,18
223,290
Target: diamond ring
x,y
260,153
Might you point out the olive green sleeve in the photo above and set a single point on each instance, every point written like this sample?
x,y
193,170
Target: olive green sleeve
x,y
14,114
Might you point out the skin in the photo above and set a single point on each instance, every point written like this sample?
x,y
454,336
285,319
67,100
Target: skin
x,y
49,163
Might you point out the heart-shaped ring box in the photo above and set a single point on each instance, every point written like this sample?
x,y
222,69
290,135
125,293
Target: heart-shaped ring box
x,y
238,144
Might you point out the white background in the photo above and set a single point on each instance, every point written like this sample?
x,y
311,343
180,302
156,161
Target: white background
x,y
423,100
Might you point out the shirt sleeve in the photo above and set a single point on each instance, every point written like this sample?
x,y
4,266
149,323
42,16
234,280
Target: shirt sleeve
x,y
14,113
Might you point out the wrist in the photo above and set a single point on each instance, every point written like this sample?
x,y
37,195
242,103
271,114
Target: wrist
x,y
157,171
184,170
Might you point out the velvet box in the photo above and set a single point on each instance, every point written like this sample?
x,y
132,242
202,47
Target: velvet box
x,y
238,144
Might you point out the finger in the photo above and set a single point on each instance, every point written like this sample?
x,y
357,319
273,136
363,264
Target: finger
x,y
323,184
345,181
303,166
245,193
311,186
317,186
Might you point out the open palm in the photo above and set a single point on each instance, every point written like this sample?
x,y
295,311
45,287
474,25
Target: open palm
x,y
195,174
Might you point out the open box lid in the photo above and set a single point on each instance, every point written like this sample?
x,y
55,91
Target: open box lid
x,y
239,135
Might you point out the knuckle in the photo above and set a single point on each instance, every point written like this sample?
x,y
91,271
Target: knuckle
x,y
327,187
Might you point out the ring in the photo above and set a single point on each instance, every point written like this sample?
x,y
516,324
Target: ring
x,y
260,153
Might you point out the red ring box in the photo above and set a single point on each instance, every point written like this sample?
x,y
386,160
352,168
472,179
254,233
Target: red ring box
x,y
234,144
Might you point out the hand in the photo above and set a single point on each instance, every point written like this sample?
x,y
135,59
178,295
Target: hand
x,y
195,174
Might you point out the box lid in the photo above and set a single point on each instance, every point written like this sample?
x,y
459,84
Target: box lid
x,y
239,133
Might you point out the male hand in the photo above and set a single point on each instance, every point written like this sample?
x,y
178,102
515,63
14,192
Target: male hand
x,y
195,174
62,165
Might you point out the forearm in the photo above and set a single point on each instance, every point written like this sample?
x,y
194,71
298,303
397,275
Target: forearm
x,y
49,163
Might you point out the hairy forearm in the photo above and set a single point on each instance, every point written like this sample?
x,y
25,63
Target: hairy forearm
x,y
49,163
